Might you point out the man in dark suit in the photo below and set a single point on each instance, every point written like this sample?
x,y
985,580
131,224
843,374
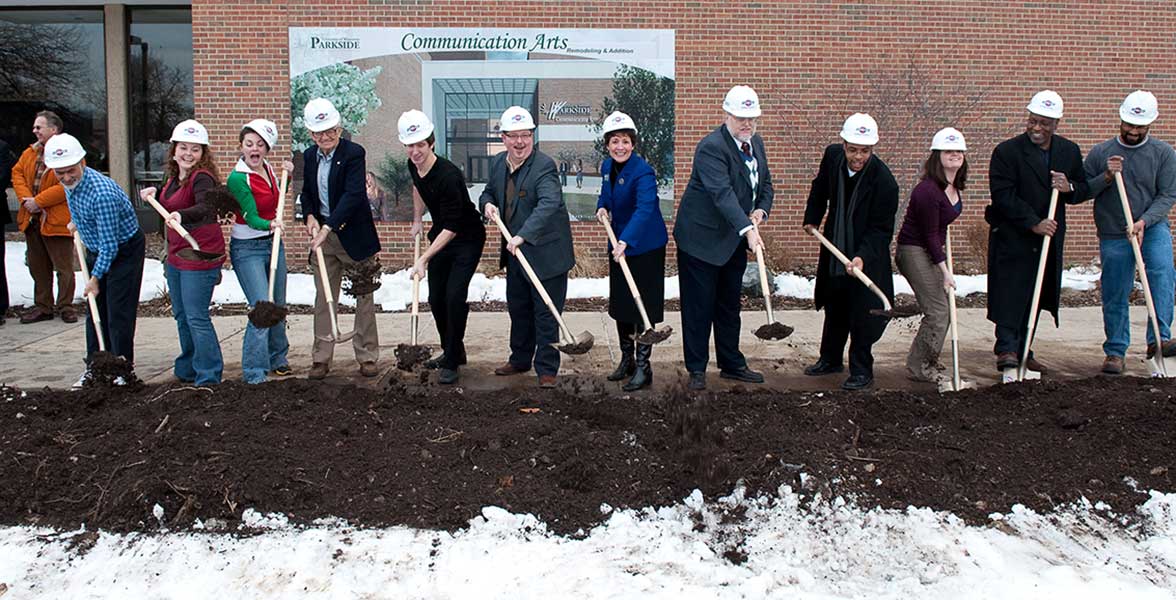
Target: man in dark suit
x,y
6,163
1023,171
524,188
729,193
338,219
861,197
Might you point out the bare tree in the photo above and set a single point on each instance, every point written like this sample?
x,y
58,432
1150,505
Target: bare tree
x,y
38,59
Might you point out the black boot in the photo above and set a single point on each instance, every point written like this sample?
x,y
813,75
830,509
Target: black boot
x,y
643,378
625,368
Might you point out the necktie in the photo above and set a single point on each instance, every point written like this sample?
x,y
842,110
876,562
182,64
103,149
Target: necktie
x,y
746,148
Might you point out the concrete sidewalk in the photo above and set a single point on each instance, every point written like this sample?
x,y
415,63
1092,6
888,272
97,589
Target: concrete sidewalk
x,y
50,353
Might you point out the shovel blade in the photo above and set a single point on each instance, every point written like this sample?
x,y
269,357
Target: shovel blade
x,y
581,345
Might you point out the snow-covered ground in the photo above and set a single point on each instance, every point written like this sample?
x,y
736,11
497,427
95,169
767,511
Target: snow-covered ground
x,y
792,549
396,291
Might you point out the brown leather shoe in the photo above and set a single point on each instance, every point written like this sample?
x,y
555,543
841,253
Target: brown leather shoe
x,y
509,369
35,315
547,381
368,369
1033,365
1113,365
1169,348
69,315
318,370
1007,360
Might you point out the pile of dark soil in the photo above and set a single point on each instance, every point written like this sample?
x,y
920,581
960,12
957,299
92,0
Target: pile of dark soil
x,y
429,457
267,314
362,278
108,370
409,356
773,331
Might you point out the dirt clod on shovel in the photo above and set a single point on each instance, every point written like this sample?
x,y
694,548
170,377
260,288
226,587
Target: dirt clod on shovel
x,y
899,311
222,201
267,314
409,356
362,278
654,336
105,368
773,331
581,346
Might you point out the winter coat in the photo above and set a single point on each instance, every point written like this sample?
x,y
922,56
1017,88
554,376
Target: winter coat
x,y
54,217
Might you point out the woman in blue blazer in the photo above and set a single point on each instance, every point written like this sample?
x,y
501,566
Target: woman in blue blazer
x,y
628,198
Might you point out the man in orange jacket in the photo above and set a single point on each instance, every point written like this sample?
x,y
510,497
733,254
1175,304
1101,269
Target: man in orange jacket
x,y
44,219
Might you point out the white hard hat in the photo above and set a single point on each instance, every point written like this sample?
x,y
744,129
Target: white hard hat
x,y
63,150
414,127
266,129
742,101
190,131
320,115
516,118
1139,108
618,121
1046,103
860,129
949,138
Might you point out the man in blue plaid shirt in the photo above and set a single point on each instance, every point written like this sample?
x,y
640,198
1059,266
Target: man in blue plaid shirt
x,y
105,222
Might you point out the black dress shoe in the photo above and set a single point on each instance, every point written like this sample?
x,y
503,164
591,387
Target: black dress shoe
x,y
745,374
822,367
857,382
447,376
697,380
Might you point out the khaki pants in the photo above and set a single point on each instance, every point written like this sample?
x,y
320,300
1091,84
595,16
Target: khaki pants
x,y
366,341
926,280
48,254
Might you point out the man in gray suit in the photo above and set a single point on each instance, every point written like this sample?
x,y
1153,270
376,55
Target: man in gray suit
x,y
524,186
730,191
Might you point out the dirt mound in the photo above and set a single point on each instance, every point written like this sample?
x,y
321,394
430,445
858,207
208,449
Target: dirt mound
x,y
429,457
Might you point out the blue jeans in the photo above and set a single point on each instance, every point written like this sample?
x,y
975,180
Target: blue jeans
x,y
262,349
1118,278
200,358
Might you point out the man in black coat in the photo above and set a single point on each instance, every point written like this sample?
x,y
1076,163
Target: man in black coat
x,y
861,197
729,193
524,189
6,163
1021,176
339,220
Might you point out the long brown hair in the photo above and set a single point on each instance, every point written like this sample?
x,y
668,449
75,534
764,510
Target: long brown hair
x,y
933,170
207,162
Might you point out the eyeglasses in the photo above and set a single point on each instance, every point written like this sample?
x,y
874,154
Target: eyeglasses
x,y
745,120
327,134
519,135
1032,122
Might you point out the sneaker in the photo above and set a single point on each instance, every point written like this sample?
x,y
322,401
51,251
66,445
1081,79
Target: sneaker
x,y
119,381
282,371
1113,365
82,379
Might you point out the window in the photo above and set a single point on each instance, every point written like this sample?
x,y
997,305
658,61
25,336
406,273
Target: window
x,y
160,64
54,60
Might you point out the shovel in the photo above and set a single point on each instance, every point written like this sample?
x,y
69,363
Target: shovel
x,y
649,335
1033,305
771,330
104,367
571,344
265,313
93,304
335,337
408,355
887,310
1139,266
193,253
957,384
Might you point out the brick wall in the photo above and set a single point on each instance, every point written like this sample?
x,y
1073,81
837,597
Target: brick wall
x,y
915,65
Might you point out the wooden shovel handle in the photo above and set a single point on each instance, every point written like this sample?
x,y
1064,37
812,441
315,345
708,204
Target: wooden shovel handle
x,y
1036,301
955,331
97,320
856,272
150,198
567,333
612,238
763,274
1141,268
326,283
416,289
277,234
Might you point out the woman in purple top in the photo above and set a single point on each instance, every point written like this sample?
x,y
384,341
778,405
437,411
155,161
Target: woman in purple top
x,y
935,203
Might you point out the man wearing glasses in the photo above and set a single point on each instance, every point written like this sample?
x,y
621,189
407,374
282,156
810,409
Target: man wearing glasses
x,y
524,190
1021,176
729,193
338,219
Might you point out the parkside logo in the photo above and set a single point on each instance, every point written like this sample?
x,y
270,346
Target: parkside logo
x,y
1137,110
320,43
190,130
748,103
59,152
562,110
321,117
413,128
1047,103
863,130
